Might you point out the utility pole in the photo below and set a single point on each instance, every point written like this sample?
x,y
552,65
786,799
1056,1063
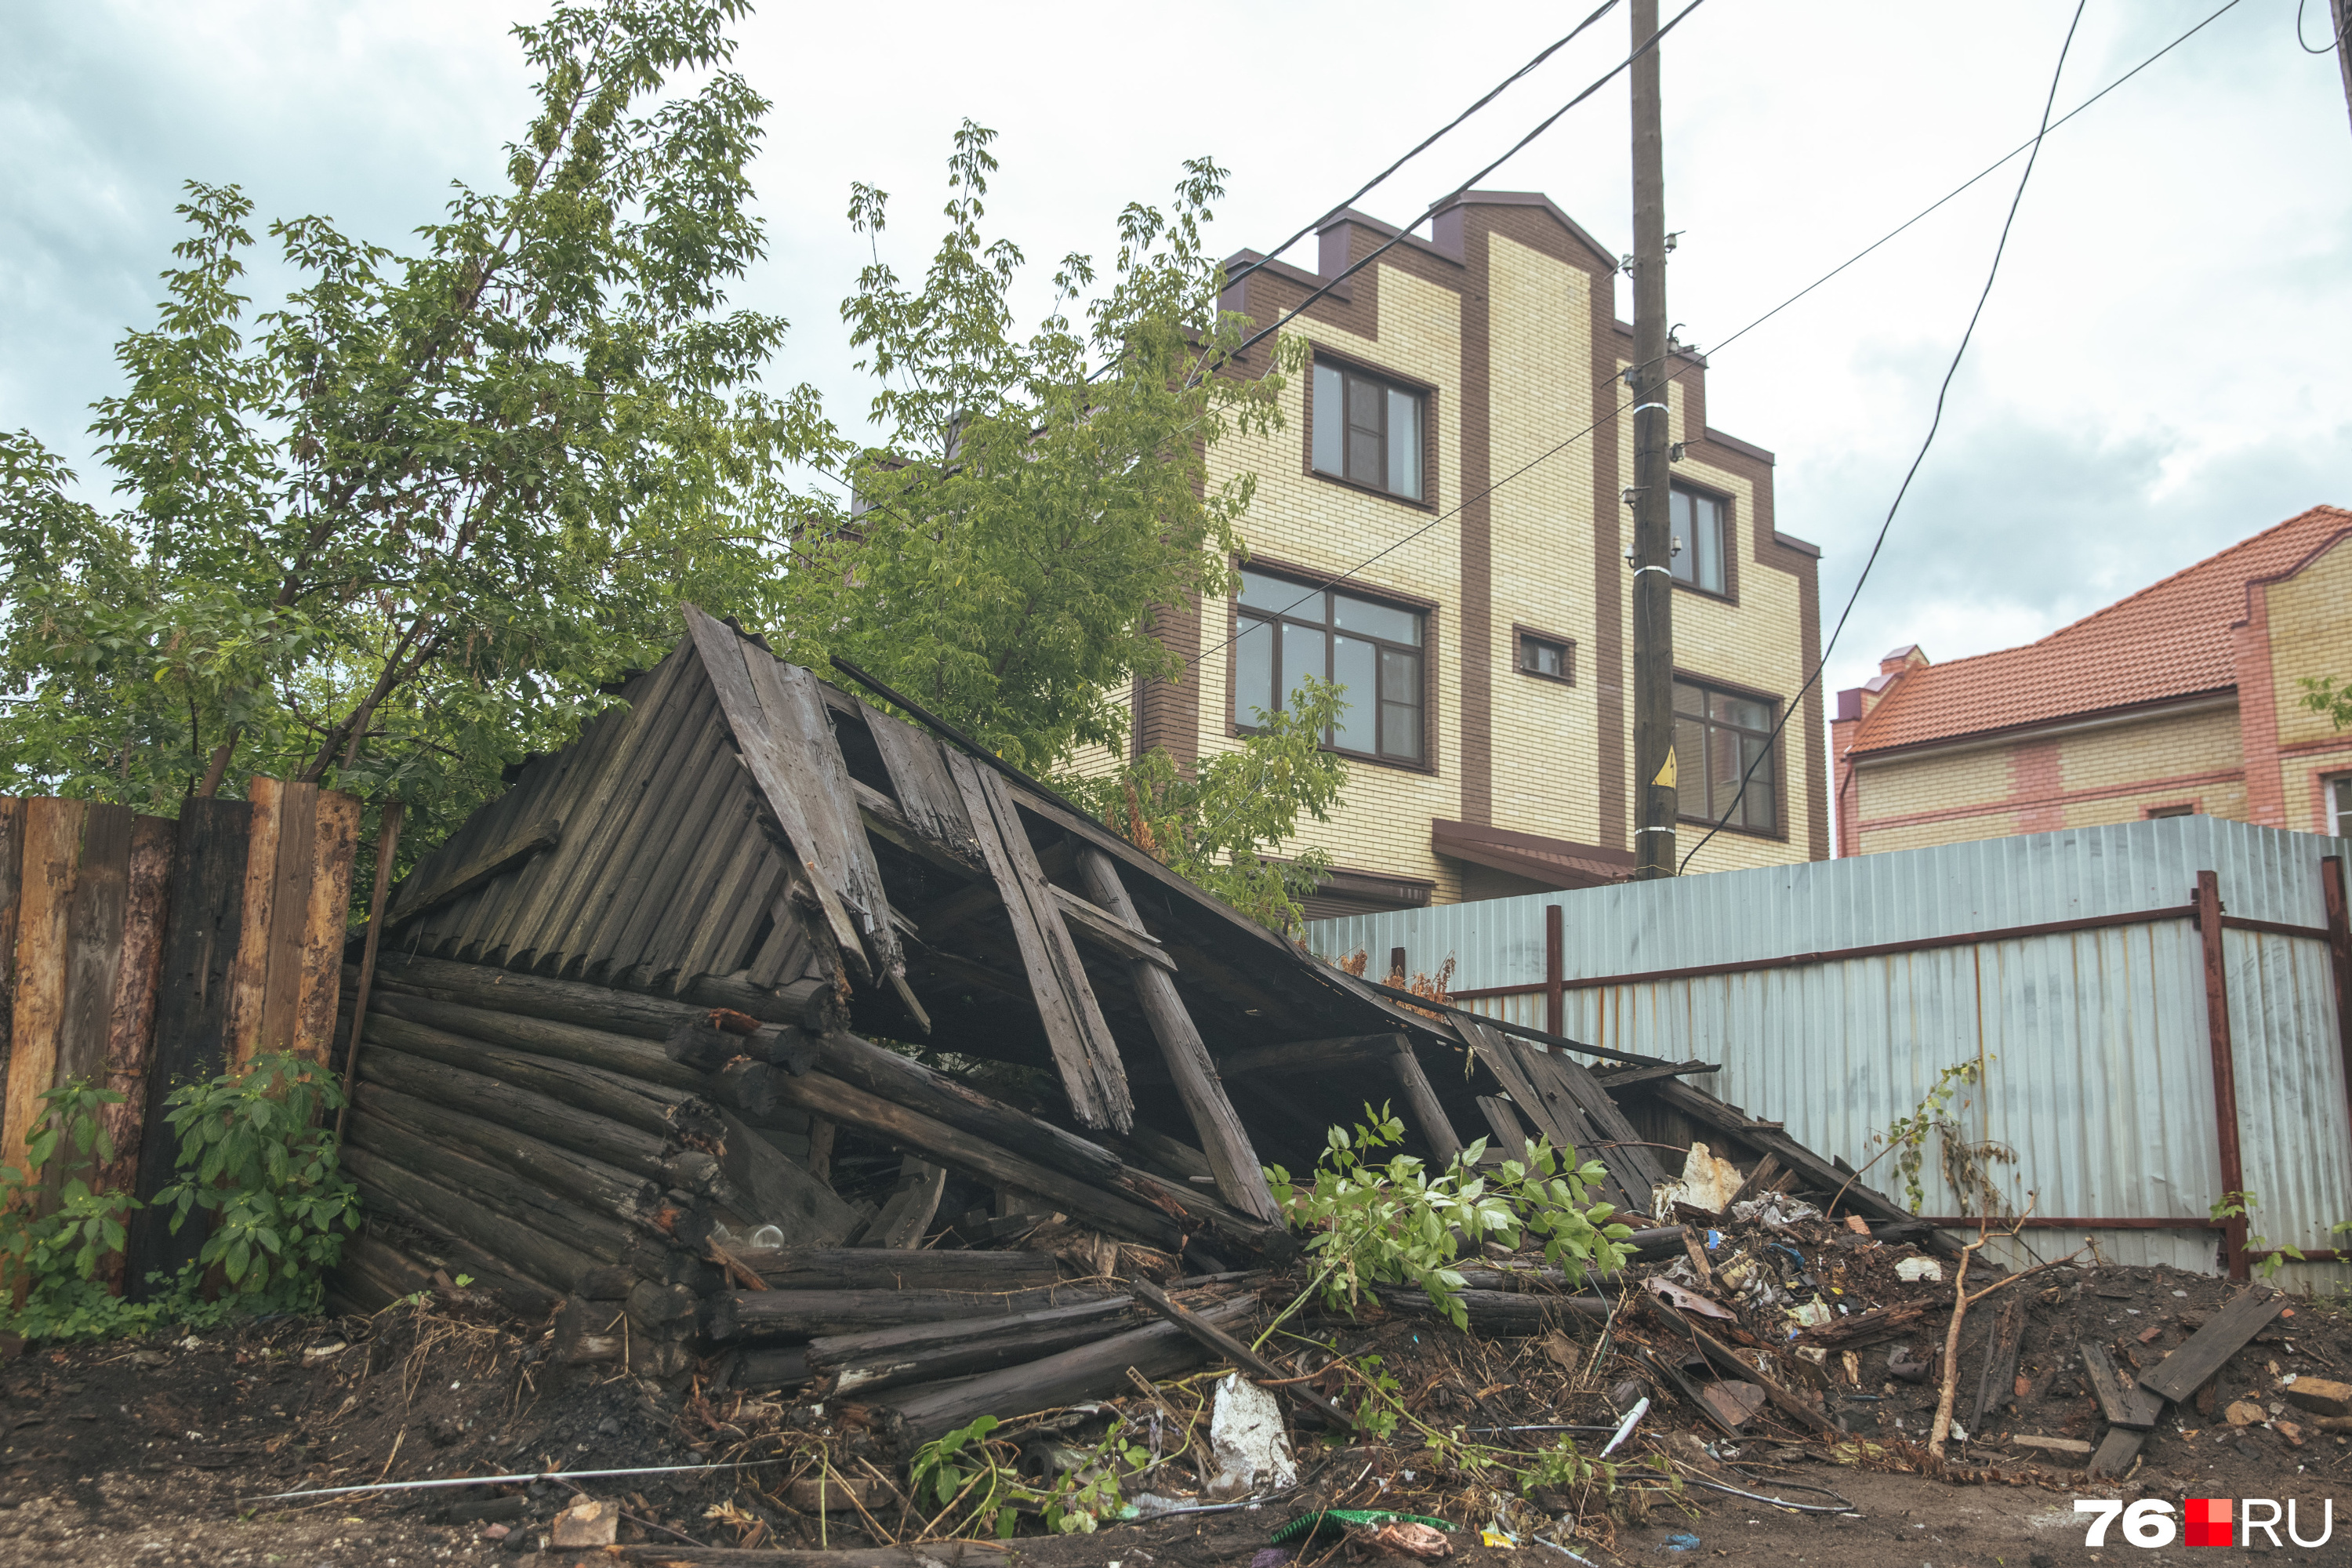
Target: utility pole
x,y
2339,12
1654,584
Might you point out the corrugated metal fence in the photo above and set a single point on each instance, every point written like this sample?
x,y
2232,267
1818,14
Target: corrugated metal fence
x,y
2071,965
141,953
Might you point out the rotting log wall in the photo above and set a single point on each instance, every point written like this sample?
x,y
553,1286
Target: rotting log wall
x,y
141,953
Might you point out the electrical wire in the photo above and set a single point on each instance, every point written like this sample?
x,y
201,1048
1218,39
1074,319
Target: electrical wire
x,y
1789,708
1445,201
2307,50
1428,141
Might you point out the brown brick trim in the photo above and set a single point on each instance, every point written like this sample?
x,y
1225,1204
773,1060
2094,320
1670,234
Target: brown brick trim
x,y
1475,527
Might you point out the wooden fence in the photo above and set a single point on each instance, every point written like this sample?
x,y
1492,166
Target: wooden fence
x,y
146,953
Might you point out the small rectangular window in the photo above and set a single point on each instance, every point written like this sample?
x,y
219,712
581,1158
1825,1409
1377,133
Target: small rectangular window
x,y
1367,431
1699,530
1371,650
2339,808
2184,810
1724,758
1553,658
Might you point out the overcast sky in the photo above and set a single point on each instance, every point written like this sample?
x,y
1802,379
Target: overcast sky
x,y
2160,371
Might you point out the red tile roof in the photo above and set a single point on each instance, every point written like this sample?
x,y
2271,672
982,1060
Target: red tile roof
x,y
2170,640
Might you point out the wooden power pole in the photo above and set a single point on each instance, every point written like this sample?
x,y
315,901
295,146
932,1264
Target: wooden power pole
x,y
1654,585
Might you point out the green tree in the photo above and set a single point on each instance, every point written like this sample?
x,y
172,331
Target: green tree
x,y
2321,694
402,529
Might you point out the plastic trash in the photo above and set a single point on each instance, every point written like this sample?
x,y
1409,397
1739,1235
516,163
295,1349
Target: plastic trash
x,y
1307,1526
1680,1541
1248,1440
766,1236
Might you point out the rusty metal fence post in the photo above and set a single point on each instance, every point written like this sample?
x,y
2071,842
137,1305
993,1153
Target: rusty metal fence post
x,y
2208,899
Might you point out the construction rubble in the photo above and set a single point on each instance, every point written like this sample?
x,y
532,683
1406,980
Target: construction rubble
x,y
900,1133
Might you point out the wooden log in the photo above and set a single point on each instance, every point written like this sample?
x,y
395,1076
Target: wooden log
x,y
93,954
623,1145
808,1212
888,1075
630,1196
1224,1143
1100,929
1219,1343
387,853
290,912
510,992
2134,1409
864,1268
549,1259
249,970
1086,1054
1294,1057
1498,1313
11,866
917,1415
131,1022
599,1232
317,953
208,861
803,1314
53,832
822,1094
904,1219
404,1268
648,1107
1998,1380
611,1052
763,1369
1176,1160
865,1362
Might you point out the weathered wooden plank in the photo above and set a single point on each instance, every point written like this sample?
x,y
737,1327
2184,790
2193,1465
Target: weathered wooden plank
x,y
722,652
12,865
904,1219
250,968
211,851
872,1360
796,716
53,832
928,799
93,954
716,777
417,897
318,955
2135,1409
1224,1143
1222,1343
1635,1167
1090,924
1085,1053
1421,1096
866,1269
1510,1137
2116,1451
806,1210
290,912
639,852
1340,1052
771,1314
131,1022
2185,1371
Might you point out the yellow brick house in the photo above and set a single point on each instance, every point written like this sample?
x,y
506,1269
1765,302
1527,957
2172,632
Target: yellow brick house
x,y
1442,527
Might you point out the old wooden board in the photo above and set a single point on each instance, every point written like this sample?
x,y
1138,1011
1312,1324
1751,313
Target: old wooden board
x,y
928,799
101,894
1568,1086
289,910
1084,1051
2116,1451
2186,1370
722,658
131,1022
248,977
12,861
1510,1137
1421,1096
200,936
53,832
2135,1409
789,1199
419,894
317,957
1541,1096
804,742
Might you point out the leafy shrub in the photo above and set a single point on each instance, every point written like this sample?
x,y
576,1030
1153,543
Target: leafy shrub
x,y
971,1470
1390,1221
253,1150
58,1256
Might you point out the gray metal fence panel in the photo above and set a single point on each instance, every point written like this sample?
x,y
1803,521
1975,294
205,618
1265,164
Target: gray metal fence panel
x,y
2094,1044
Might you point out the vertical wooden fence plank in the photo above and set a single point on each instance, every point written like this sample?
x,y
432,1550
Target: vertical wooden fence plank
x,y
200,945
52,848
131,1022
94,940
318,955
289,914
2207,896
12,865
248,977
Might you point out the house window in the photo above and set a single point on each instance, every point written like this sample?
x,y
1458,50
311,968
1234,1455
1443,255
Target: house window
x,y
1718,737
1698,526
2181,810
1367,431
1551,658
2339,808
1373,650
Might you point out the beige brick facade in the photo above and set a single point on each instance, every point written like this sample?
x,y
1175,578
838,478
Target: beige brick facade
x,y
2248,750
1506,325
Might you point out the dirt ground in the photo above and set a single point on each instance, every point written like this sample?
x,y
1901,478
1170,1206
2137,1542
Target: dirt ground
x,y
162,1453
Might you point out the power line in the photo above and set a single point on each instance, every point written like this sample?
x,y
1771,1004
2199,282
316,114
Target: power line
x,y
1428,141
1934,424
1444,202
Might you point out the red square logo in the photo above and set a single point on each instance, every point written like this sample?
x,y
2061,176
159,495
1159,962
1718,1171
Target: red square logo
x,y
2207,1521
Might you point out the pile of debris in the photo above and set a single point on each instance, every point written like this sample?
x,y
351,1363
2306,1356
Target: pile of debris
x,y
619,1064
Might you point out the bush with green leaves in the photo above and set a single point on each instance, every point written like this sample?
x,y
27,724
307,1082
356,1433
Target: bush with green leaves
x,y
254,1150
1390,1221
56,1245
973,1471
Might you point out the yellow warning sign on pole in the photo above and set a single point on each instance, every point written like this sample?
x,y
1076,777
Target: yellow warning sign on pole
x,y
1666,775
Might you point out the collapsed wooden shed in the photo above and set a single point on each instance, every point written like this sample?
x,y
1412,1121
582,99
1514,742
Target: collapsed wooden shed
x,y
624,1021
